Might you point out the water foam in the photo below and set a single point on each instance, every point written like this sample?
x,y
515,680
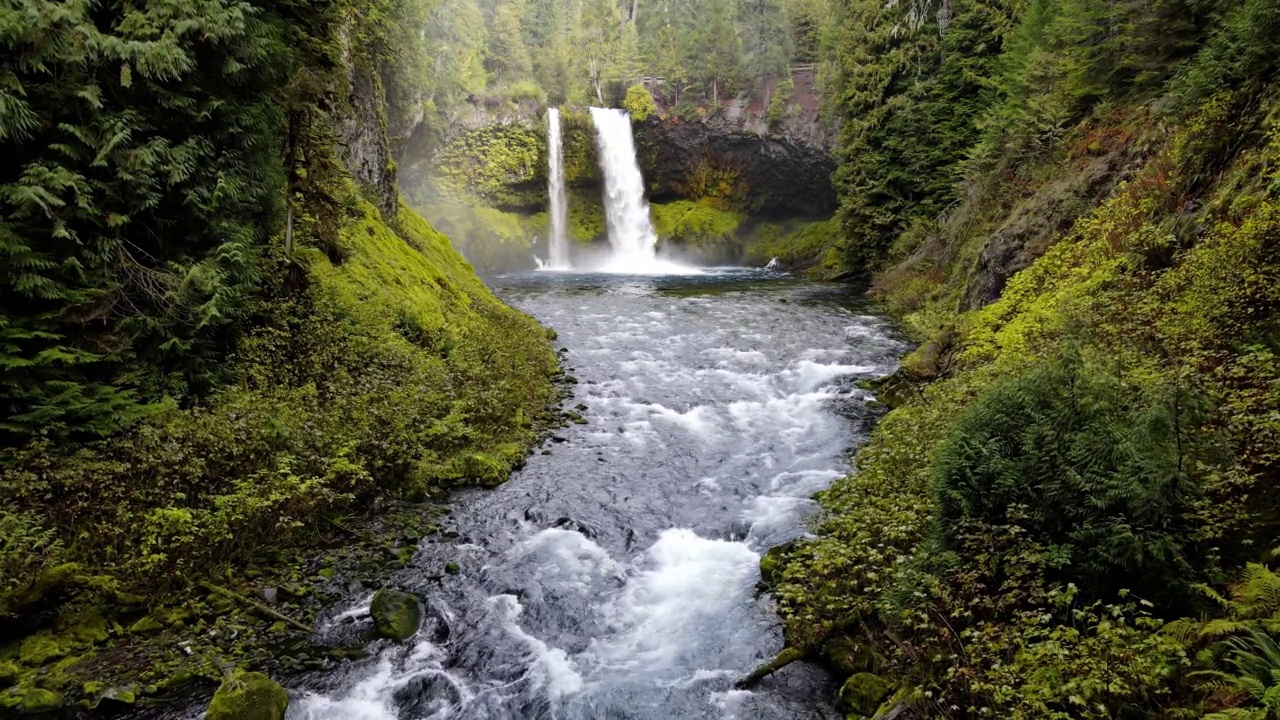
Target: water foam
x,y
692,582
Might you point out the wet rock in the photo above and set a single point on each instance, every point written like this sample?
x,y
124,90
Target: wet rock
x,y
248,696
396,614
118,697
568,523
769,173
862,693
452,568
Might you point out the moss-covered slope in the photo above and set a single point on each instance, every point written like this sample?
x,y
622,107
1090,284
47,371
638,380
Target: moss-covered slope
x,y
997,555
388,371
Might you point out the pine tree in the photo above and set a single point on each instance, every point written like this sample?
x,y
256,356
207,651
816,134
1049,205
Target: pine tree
x,y
141,179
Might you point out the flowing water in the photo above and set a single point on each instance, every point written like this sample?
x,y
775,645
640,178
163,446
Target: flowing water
x,y
557,199
614,577
631,235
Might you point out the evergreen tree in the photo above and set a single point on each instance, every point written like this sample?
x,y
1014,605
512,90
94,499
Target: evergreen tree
x,y
508,58
141,180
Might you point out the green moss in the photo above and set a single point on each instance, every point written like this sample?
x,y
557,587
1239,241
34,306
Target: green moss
x,y
43,647
862,693
31,700
500,165
695,223
813,247
396,615
248,696
148,624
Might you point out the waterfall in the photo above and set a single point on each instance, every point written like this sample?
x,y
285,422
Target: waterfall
x,y
626,212
555,190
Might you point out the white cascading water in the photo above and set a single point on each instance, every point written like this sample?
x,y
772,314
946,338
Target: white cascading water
x,y
626,212
555,189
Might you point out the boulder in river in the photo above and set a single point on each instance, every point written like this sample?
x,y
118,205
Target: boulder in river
x,y
248,696
396,614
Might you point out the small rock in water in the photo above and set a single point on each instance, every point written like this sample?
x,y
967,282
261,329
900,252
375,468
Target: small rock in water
x,y
396,614
452,568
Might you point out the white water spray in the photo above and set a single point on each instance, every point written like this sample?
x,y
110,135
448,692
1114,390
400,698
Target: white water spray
x,y
626,211
555,189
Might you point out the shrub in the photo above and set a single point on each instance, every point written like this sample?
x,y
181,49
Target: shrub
x,y
639,102
1098,472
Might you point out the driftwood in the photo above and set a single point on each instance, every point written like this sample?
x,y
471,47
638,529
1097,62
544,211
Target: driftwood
x,y
781,660
257,606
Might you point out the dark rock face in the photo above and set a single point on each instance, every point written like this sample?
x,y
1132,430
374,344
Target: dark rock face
x,y
764,174
1038,222
362,133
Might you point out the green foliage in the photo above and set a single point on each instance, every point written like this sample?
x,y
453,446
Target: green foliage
x,y
910,107
982,555
695,223
140,183
377,379
639,103
810,247
779,104
1099,473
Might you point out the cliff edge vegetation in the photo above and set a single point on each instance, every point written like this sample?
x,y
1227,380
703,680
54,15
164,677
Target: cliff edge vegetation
x,y
1070,510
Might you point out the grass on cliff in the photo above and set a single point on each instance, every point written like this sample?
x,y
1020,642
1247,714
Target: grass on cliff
x,y
694,223
813,248
392,372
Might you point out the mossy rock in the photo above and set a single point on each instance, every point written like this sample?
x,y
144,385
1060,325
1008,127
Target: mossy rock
x,y
248,696
862,693
774,562
396,614
31,700
41,648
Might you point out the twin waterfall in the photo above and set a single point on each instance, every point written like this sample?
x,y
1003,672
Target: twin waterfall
x,y
555,189
631,234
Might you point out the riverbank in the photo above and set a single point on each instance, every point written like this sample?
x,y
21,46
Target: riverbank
x,y
388,372
1070,510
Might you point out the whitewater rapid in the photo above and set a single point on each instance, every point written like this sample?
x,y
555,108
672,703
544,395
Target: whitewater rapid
x,y
615,576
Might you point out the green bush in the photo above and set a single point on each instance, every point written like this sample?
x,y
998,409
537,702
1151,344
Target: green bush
x,y
1099,473
639,102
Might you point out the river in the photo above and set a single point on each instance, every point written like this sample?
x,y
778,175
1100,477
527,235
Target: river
x,y
614,577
